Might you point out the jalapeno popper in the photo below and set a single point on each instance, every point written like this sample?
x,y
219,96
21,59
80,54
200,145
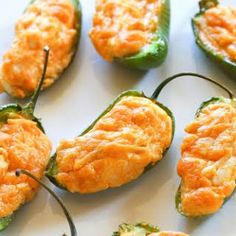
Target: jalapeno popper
x,y
143,229
55,23
208,162
133,33
129,137
24,145
214,30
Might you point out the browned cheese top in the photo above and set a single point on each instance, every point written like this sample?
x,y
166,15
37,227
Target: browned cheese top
x,y
208,163
134,134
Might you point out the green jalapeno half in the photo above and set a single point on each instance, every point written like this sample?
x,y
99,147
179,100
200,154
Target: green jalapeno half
x,y
21,132
213,31
129,137
53,23
122,40
207,166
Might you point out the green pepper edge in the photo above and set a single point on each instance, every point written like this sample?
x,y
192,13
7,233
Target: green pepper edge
x,y
212,100
148,228
78,26
5,112
225,63
52,168
154,53
5,221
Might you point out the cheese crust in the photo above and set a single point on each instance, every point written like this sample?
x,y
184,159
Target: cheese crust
x,y
217,30
44,23
123,27
208,162
22,146
133,135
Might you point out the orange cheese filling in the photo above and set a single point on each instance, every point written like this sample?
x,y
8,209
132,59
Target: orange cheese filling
x,y
217,30
44,23
134,134
123,27
22,145
208,163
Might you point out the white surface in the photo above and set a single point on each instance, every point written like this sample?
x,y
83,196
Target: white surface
x,y
82,94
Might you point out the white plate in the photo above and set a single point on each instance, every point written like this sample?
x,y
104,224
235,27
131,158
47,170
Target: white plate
x,y
71,104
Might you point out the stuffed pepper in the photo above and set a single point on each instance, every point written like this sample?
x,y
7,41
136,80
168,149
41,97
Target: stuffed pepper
x,y
208,162
133,33
214,30
55,23
24,145
130,136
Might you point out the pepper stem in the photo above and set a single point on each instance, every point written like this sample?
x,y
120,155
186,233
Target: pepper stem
x,y
166,81
207,4
31,105
58,199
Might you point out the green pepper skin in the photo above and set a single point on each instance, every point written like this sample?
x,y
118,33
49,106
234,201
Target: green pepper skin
x,y
4,222
224,62
141,229
52,168
155,53
213,100
7,112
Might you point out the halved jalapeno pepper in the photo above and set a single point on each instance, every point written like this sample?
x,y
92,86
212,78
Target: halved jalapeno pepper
x,y
53,23
134,34
213,29
208,164
23,144
129,137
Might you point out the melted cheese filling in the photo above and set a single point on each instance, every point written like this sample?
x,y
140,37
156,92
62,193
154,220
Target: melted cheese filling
x,y
208,163
134,134
217,30
44,23
22,146
123,27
